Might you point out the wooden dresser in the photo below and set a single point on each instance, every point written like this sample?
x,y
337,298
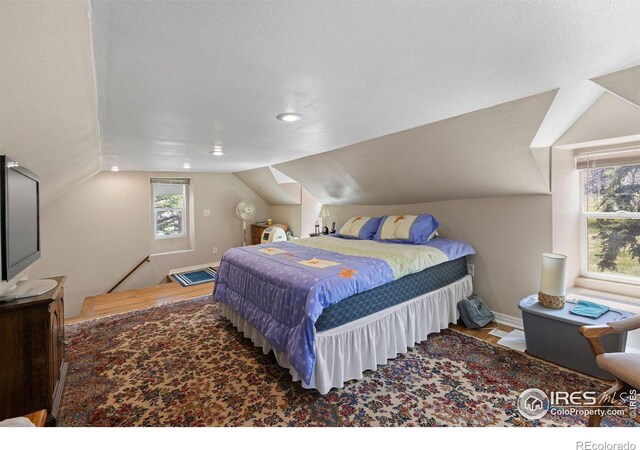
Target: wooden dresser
x,y
32,365
256,231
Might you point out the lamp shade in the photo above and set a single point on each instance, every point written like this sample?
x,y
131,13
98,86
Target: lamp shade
x,y
324,212
554,271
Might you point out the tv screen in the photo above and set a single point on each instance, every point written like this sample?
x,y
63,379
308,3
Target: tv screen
x,y
20,219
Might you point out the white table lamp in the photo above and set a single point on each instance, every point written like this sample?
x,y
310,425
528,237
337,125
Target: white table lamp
x,y
324,213
553,280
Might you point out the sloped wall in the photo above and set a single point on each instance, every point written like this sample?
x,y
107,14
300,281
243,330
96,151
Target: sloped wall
x,y
625,83
610,117
263,182
48,112
481,154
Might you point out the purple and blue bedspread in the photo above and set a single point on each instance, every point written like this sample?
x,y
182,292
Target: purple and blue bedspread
x,y
282,288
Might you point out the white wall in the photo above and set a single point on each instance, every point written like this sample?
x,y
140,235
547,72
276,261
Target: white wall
x,y
565,188
623,83
509,234
96,233
274,191
611,122
289,215
309,212
48,112
609,117
300,218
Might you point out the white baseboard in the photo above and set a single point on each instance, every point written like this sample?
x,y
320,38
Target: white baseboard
x,y
510,321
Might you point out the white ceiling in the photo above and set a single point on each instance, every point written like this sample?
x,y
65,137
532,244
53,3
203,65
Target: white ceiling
x,y
175,78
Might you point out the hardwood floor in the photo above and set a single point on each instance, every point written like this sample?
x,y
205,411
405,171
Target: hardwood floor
x,y
136,299
482,333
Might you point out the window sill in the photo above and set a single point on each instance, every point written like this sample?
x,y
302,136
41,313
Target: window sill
x,y
175,252
629,293
170,236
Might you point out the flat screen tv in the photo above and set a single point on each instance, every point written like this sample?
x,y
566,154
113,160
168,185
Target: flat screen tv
x,y
20,208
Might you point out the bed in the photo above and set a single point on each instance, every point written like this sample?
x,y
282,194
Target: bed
x,y
332,308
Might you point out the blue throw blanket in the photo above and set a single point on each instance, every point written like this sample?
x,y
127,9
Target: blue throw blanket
x,y
282,288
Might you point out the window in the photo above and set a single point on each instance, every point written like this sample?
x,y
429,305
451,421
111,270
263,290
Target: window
x,y
610,217
169,201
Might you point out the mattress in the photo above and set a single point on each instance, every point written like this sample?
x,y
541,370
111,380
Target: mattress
x,y
391,294
282,288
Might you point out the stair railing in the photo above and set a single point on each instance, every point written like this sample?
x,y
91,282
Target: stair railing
x,y
146,259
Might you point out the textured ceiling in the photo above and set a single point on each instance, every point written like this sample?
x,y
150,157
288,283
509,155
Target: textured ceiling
x,y
48,112
175,78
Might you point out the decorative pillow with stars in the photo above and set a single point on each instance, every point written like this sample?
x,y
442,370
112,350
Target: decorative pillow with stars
x,y
409,229
359,227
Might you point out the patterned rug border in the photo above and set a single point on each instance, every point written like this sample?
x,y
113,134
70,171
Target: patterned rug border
x,y
535,358
134,313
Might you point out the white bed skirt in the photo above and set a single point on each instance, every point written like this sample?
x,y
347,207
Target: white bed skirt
x,y
344,353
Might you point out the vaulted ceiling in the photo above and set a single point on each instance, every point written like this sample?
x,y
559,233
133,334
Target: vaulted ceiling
x,y
155,85
176,78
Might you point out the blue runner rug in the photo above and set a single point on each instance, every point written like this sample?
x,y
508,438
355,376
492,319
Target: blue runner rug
x,y
198,277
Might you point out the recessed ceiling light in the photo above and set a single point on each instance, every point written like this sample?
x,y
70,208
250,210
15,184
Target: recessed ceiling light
x,y
289,117
186,166
115,168
217,150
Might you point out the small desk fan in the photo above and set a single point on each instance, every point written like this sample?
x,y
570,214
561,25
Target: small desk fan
x,y
246,211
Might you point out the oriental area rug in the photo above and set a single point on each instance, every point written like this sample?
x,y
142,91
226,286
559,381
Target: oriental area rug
x,y
184,364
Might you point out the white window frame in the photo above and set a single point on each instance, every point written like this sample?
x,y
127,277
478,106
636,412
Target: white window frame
x,y
184,210
584,239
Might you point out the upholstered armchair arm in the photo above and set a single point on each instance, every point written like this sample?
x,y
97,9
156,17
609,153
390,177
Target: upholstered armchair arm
x,y
632,323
